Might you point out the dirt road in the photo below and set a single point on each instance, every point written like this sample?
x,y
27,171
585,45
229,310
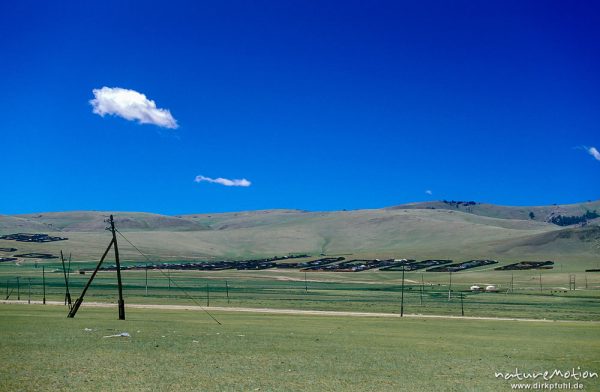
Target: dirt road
x,y
291,311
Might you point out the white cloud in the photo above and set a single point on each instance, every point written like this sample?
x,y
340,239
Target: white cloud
x,y
224,181
131,105
593,152
429,192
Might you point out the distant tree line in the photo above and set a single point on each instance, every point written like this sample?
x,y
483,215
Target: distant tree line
x,y
561,220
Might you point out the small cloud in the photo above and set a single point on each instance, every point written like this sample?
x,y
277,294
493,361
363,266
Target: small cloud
x,y
593,152
131,105
429,192
224,181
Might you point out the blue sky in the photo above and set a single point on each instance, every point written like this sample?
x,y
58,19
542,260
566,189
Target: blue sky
x,y
319,105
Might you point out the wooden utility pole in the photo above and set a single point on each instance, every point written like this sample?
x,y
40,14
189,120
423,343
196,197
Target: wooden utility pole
x,y
422,284
29,291
462,306
44,285
540,282
146,279
207,296
402,295
67,293
305,283
118,263
450,287
227,291
512,282
121,303
18,290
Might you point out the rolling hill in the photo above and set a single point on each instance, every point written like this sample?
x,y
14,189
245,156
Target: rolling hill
x,y
538,213
418,230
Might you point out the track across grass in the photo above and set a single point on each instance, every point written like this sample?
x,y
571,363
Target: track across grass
x,y
285,311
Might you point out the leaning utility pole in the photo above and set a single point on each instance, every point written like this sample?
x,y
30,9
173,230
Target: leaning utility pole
x,y
112,243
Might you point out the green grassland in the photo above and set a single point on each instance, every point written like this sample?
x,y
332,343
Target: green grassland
x,y
370,291
40,349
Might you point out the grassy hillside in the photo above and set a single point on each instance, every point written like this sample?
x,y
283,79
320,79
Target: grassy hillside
x,y
412,231
540,213
82,221
15,224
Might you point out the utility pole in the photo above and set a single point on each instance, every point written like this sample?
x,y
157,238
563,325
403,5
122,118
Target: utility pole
x,y
67,293
402,295
512,282
422,284
18,290
305,283
207,296
540,282
29,291
119,283
227,291
44,285
450,287
146,279
121,303
462,307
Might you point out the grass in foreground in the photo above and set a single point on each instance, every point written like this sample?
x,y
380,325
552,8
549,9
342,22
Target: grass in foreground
x,y
40,349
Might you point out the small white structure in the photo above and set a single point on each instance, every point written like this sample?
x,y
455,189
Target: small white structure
x,y
476,289
491,289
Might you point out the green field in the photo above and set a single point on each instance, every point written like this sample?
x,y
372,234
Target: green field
x,y
41,349
370,291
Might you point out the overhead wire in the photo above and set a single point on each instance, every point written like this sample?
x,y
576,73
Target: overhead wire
x,y
171,280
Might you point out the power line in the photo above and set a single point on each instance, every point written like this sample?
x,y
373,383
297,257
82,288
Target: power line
x,y
170,280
